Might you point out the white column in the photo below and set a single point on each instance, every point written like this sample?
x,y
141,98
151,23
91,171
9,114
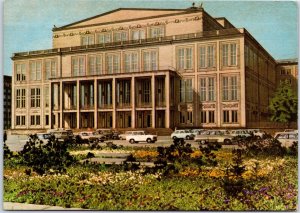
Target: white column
x,y
133,102
95,104
78,103
61,104
114,117
167,99
153,99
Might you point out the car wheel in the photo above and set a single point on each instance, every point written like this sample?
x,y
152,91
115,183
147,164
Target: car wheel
x,y
148,140
174,138
131,141
202,142
257,137
188,137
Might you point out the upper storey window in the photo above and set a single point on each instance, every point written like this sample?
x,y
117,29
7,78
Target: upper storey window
x,y
87,40
21,72
50,68
103,38
131,62
112,63
229,54
95,64
150,59
35,70
185,58
78,66
120,36
207,56
156,32
138,34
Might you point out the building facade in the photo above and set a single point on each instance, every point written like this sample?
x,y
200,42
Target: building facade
x,y
144,68
7,99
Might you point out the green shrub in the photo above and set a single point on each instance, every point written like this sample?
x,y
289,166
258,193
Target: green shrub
x,y
7,154
52,156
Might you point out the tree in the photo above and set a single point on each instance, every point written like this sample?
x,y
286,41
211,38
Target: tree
x,y
284,104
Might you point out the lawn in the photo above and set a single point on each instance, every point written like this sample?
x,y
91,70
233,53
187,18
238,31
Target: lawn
x,y
265,183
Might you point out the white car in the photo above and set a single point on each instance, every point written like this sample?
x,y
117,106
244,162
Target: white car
x,y
91,136
213,136
239,132
256,132
123,136
183,134
286,138
141,136
196,131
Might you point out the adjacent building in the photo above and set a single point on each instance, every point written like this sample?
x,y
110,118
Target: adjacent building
x,y
7,87
145,68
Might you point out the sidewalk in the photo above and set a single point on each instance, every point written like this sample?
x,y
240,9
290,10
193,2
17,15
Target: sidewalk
x,y
24,206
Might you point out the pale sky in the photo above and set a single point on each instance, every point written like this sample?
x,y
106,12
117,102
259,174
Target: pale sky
x,y
27,24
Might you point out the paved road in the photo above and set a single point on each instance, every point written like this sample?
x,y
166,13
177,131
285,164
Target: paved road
x,y
16,142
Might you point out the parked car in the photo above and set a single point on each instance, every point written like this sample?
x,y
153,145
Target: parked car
x,y
256,132
196,131
213,136
59,133
286,138
141,136
290,130
239,132
123,136
108,133
182,133
89,137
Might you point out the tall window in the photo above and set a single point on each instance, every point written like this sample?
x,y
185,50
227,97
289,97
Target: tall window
x,y
78,66
150,60
226,116
35,97
35,70
21,72
138,34
207,56
207,116
229,54
103,38
120,36
185,58
186,90
156,32
87,40
20,98
112,63
211,116
50,68
95,64
131,62
46,95
207,89
35,120
229,88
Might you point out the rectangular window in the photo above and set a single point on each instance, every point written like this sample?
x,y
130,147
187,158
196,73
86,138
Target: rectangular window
x,y
47,120
95,64
211,116
234,88
87,40
78,66
185,58
189,117
20,120
150,60
226,116
229,54
112,63
234,116
103,38
20,98
225,88
211,89
186,90
46,95
202,89
156,32
202,117
35,97
138,34
20,72
35,120
182,91
35,70
131,62
206,56
120,36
